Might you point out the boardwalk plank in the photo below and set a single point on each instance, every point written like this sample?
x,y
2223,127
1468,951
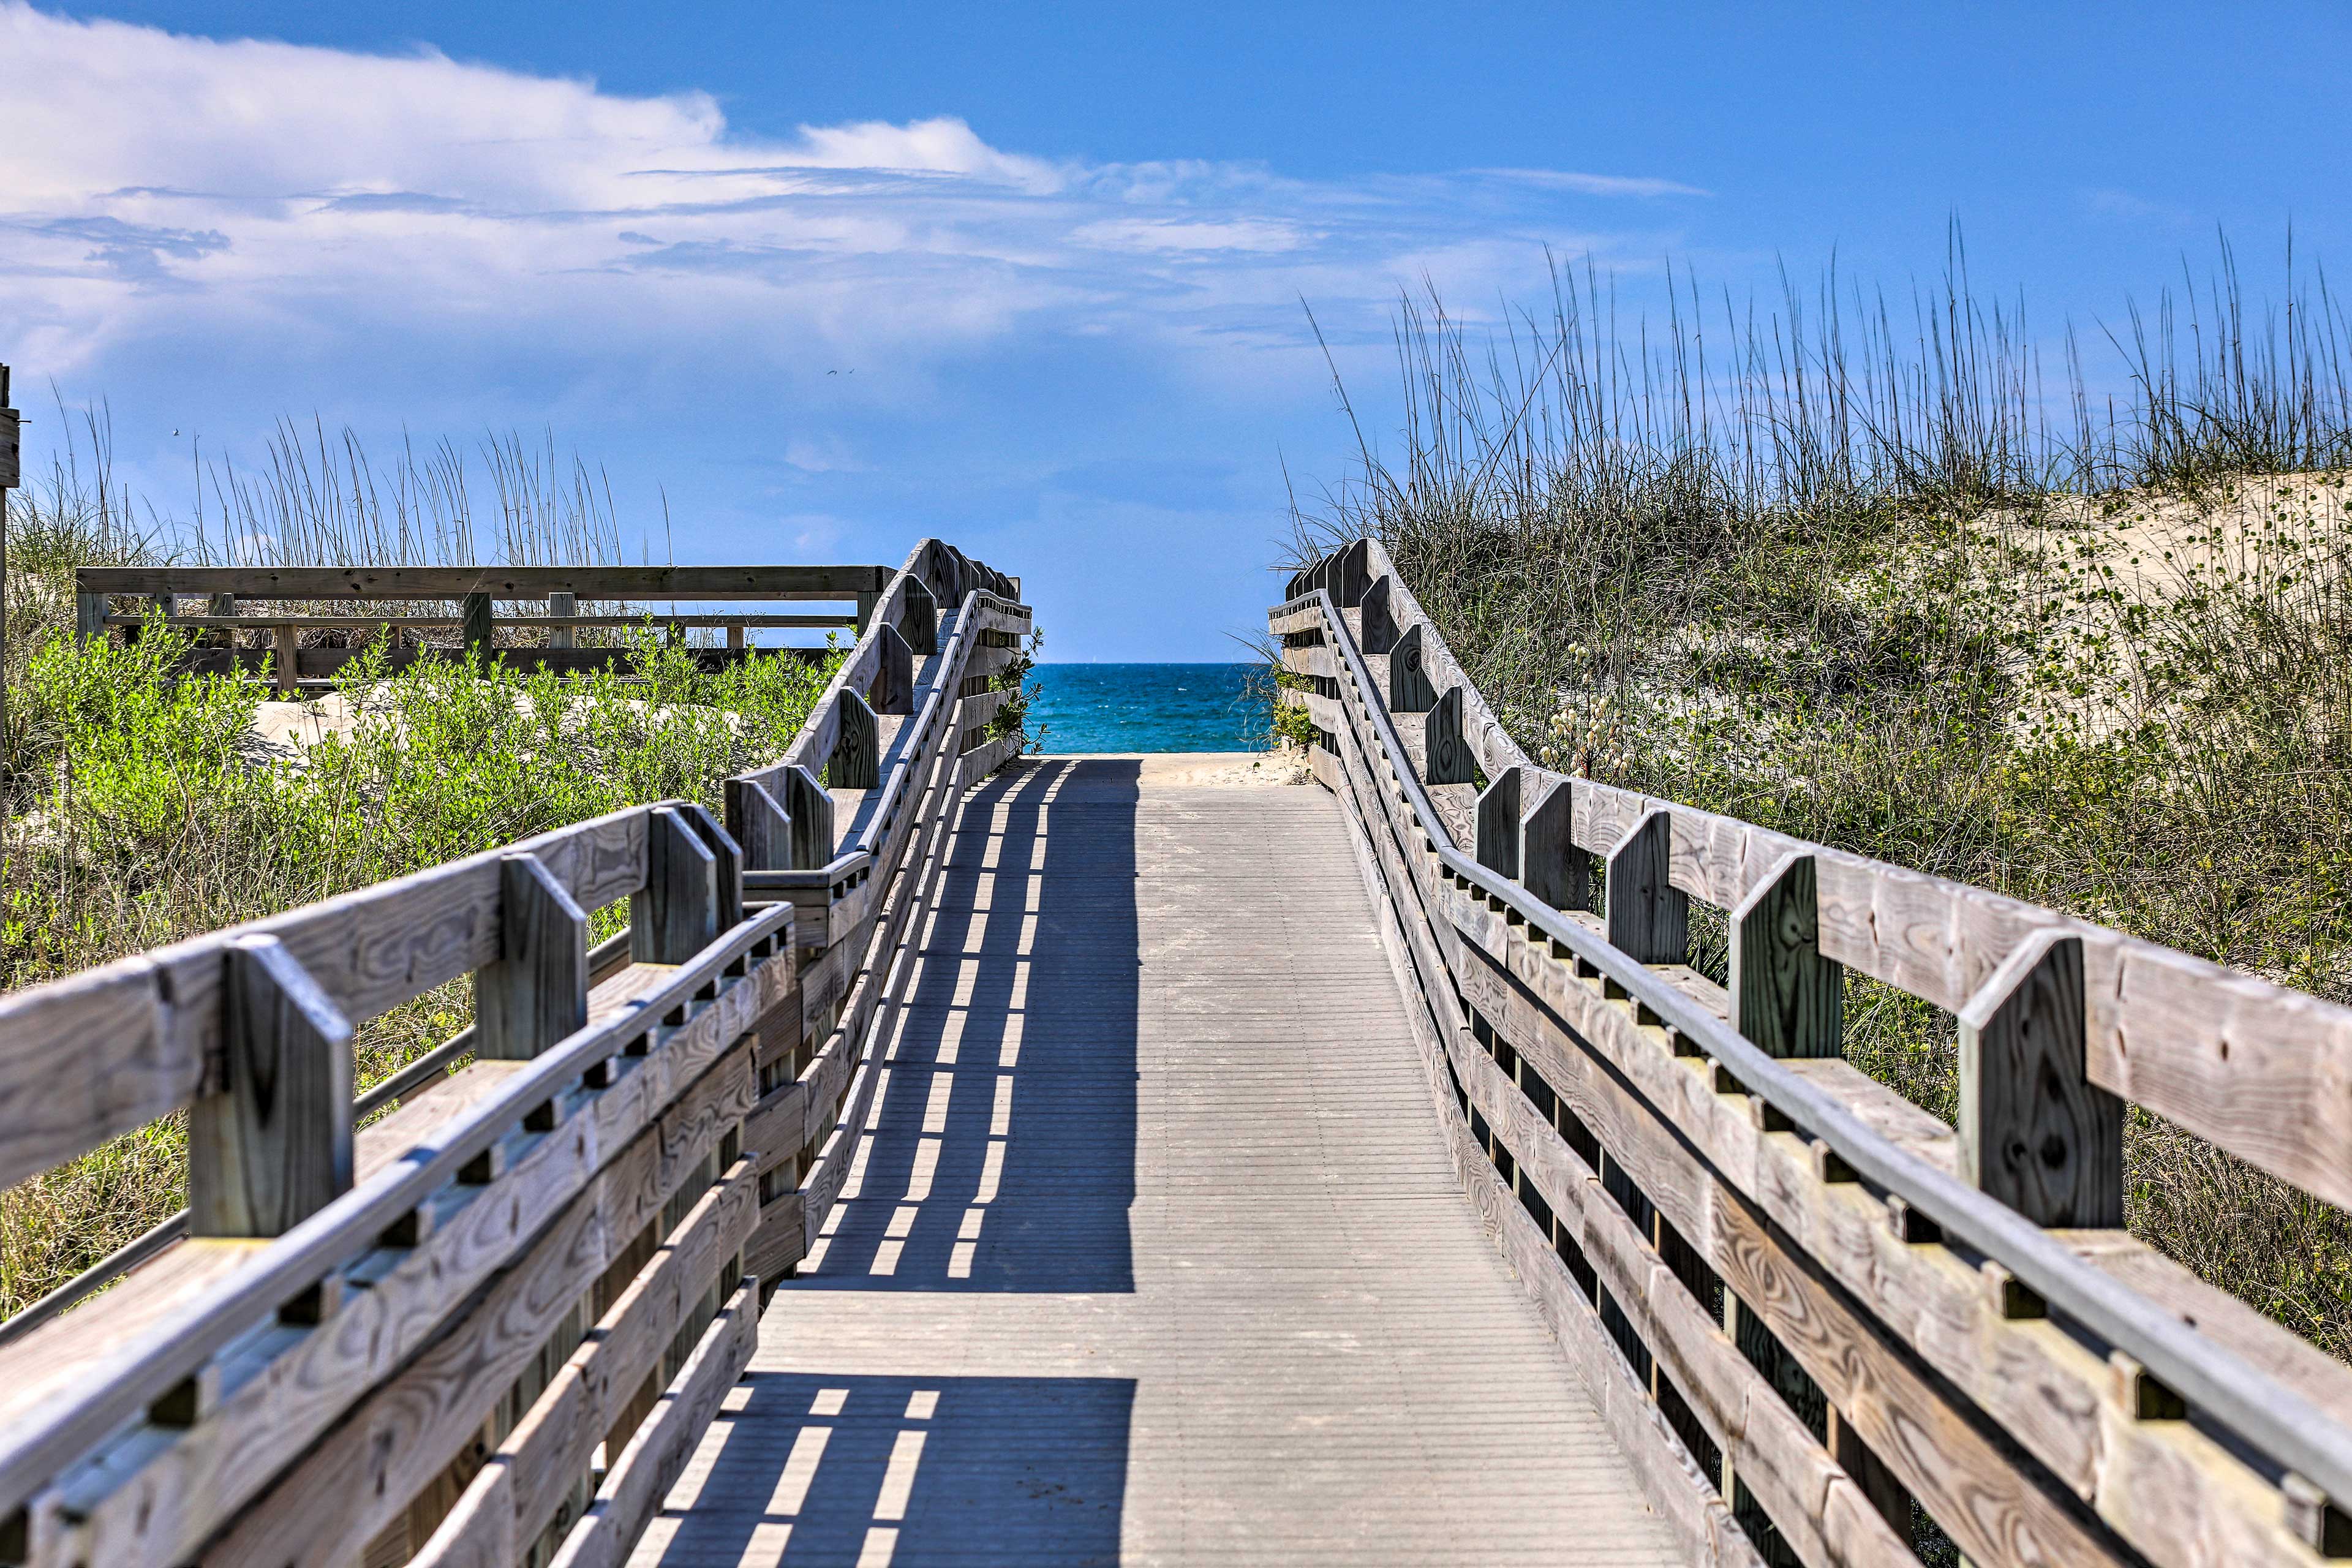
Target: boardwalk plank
x,y
1153,1251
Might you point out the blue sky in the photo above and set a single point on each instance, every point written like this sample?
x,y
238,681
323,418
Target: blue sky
x,y
828,277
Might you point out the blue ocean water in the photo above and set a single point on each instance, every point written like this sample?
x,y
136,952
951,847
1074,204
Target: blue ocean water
x,y
1147,708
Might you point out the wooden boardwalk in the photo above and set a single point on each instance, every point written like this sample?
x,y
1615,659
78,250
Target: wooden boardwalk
x,y
1153,1252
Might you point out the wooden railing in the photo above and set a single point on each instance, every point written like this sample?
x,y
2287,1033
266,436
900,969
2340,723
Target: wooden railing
x,y
236,602
1804,1305
411,1340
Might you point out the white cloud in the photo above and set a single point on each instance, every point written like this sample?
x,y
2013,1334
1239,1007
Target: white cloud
x,y
315,201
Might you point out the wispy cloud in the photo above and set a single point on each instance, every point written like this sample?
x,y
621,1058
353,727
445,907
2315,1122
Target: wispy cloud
x,y
1593,185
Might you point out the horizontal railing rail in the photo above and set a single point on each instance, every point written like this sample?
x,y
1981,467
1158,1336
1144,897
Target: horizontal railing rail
x,y
2198,1433
552,1216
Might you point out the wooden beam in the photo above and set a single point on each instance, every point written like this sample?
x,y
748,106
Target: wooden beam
x,y
2035,1133
273,1147
1786,997
1447,759
894,674
1410,688
476,634
537,992
856,759
1649,918
1378,619
919,620
562,603
1552,865
393,582
759,825
1497,831
1349,573
729,853
809,807
676,915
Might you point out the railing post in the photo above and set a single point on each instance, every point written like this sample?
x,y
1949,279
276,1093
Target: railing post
x,y
478,622
1446,756
894,673
1350,573
675,914
537,992
919,620
286,643
1410,688
866,603
90,616
857,759
1649,918
2035,1133
1786,997
562,603
759,825
273,1145
1379,619
1498,829
1552,865
730,854
810,806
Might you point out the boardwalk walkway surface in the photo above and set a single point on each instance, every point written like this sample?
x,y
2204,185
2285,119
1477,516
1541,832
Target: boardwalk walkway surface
x,y
1154,1253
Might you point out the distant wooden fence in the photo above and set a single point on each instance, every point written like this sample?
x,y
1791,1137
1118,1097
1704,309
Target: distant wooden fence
x,y
238,602
1802,1303
407,1341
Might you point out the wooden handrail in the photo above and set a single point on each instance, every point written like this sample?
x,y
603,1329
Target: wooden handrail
x,y
1553,980
157,1423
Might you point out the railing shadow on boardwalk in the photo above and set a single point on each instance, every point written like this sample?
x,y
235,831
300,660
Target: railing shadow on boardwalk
x,y
910,1470
1004,1155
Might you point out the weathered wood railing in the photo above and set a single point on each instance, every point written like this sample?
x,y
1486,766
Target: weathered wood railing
x,y
237,601
411,1340
1803,1304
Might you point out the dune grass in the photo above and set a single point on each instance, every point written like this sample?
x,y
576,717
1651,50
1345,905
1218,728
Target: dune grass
x,y
1901,594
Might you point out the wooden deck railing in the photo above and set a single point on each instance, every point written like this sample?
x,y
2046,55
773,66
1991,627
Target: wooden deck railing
x,y
237,601
554,1251
1804,1304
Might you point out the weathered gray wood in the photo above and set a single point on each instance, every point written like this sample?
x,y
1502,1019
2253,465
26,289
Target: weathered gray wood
x,y
1379,621
1786,997
1410,690
475,632
274,1146
1146,1055
537,992
562,603
1446,760
1649,918
810,810
1498,823
919,620
866,603
676,914
1552,865
90,616
856,759
631,583
2034,1132
759,825
729,853
894,676
285,647
1350,575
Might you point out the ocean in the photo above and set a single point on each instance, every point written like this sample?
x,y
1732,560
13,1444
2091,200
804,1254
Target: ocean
x,y
1148,708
